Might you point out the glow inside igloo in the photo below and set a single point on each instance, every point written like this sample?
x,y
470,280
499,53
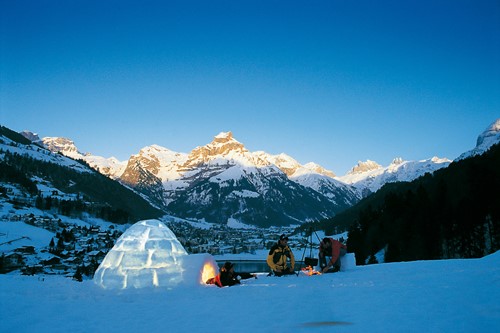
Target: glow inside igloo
x,y
148,254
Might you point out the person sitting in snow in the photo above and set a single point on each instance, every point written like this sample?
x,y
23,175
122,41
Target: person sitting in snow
x,y
278,256
332,250
228,277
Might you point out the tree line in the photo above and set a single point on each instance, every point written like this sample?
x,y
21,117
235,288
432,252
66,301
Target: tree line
x,y
103,197
452,213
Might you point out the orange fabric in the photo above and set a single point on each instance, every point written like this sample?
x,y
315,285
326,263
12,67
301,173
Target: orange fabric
x,y
217,281
336,246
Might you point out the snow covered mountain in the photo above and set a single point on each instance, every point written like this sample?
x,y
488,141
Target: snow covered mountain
x,y
55,183
369,176
27,148
110,167
224,182
153,171
485,140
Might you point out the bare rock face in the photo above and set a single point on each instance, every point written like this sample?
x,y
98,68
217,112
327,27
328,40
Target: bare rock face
x,y
224,146
61,145
223,181
364,167
33,137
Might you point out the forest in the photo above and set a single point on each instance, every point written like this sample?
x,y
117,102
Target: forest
x,y
93,193
453,213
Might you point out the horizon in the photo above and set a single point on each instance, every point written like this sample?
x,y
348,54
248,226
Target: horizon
x,y
330,83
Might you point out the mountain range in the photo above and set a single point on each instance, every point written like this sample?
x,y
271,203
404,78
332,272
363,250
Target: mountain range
x,y
32,176
223,182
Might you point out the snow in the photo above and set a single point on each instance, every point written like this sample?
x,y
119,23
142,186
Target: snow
x,y
244,194
423,296
14,235
41,154
373,176
225,135
485,140
235,224
232,173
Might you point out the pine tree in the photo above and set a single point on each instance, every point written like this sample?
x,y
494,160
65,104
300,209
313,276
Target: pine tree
x,y
60,244
78,274
52,245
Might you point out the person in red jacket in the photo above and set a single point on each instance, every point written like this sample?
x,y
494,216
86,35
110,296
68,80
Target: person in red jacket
x,y
228,277
333,250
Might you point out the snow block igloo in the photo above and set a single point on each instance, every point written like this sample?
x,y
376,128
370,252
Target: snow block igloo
x,y
148,254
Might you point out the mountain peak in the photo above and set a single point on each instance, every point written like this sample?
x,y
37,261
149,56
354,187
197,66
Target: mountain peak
x,y
225,139
224,136
154,149
397,161
30,136
485,140
319,169
224,146
64,146
491,132
361,167
223,143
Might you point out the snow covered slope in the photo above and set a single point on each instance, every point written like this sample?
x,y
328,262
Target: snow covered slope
x,y
372,176
110,167
485,140
425,296
39,153
226,180
33,175
223,181
235,176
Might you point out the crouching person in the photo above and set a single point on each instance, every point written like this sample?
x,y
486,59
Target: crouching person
x,y
330,252
278,257
228,277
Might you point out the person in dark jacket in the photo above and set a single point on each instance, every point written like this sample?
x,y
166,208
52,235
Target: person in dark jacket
x,y
278,256
228,277
332,250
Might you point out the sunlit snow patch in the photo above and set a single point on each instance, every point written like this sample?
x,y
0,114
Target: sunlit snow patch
x,y
148,254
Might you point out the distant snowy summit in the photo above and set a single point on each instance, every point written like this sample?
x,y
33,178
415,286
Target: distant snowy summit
x,y
33,137
61,145
372,176
110,167
224,182
485,140
158,165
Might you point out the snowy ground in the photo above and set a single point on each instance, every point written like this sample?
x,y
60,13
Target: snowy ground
x,y
426,296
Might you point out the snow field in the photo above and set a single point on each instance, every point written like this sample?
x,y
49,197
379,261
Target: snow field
x,y
430,296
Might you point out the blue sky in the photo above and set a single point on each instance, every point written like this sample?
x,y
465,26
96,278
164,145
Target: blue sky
x,y
332,82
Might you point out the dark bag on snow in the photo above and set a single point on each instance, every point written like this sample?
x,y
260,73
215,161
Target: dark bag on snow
x,y
308,261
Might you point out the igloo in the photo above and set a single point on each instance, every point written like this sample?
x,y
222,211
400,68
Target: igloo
x,y
148,254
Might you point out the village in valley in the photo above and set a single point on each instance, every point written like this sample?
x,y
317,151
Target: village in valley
x,y
77,249
74,246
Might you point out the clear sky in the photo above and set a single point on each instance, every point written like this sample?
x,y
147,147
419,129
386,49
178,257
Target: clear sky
x,y
332,82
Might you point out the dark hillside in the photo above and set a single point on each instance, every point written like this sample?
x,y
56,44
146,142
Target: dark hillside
x,y
102,197
454,213
14,136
